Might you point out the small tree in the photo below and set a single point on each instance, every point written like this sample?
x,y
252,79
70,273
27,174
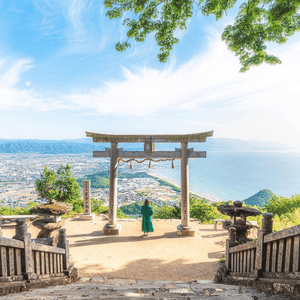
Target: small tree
x,y
46,186
68,189
60,185
203,211
165,212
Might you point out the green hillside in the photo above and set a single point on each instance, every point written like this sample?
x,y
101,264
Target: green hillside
x,y
135,208
100,180
263,196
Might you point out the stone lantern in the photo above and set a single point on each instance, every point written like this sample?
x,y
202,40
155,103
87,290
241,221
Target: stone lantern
x,y
51,220
238,220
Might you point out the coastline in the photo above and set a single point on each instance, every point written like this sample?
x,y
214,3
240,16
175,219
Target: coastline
x,y
175,184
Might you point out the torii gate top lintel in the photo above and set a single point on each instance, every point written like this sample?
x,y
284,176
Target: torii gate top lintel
x,y
146,138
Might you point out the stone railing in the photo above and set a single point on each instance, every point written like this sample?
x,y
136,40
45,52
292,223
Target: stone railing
x,y
274,258
23,260
241,259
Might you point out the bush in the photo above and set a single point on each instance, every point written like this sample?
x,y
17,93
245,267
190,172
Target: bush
x,y
281,205
165,212
9,211
202,211
121,215
97,207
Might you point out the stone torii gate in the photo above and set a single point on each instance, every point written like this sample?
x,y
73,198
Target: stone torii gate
x,y
184,153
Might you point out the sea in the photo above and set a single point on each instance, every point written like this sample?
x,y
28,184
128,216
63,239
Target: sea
x,y
223,175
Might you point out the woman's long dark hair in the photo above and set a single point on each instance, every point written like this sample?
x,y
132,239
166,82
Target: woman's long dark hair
x,y
147,202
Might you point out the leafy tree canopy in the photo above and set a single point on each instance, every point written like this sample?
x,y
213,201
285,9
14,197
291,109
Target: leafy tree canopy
x,y
257,22
60,185
282,205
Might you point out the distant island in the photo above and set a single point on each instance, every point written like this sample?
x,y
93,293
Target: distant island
x,y
263,196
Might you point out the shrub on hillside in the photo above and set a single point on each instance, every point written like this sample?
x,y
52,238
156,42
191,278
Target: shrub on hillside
x,y
203,211
98,207
282,205
165,212
121,214
9,211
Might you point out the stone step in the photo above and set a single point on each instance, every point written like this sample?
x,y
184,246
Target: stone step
x,y
103,288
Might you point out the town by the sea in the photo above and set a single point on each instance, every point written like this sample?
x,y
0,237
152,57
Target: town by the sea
x,y
223,175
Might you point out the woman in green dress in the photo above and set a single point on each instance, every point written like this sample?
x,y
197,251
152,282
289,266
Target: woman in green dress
x,y
146,212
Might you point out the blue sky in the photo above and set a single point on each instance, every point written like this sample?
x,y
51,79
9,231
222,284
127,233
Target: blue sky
x,y
60,75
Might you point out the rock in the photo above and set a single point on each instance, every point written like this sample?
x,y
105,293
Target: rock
x,y
238,203
84,279
47,228
59,208
98,279
44,241
235,211
251,233
103,216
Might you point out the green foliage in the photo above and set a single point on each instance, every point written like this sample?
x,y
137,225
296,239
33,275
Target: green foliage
x,y
164,212
203,211
10,211
97,207
281,205
135,208
96,182
77,206
68,189
286,220
177,211
257,23
45,186
100,180
121,214
60,185
259,198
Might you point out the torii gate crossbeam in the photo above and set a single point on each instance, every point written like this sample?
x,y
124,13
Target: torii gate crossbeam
x,y
184,153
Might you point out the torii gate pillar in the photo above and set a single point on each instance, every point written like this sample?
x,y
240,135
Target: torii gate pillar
x,y
112,227
184,228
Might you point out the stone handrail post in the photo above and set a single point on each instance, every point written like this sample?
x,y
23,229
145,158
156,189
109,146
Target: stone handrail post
x,y
29,272
63,243
266,228
267,223
21,229
230,242
22,234
232,234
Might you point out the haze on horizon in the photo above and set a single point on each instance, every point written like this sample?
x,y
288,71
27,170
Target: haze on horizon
x,y
60,75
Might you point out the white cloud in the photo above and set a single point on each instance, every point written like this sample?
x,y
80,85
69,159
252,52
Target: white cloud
x,y
264,101
84,33
12,94
208,79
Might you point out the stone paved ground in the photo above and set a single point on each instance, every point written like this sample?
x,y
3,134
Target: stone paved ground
x,y
161,256
103,288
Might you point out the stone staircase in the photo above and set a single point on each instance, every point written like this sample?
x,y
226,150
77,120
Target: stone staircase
x,y
103,288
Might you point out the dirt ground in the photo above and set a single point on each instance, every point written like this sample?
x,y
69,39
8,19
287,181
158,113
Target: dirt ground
x,y
161,256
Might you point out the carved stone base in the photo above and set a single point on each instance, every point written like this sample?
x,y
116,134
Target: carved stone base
x,y
90,217
109,230
185,231
47,228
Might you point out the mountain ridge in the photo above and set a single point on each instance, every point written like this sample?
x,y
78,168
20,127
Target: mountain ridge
x,y
86,145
